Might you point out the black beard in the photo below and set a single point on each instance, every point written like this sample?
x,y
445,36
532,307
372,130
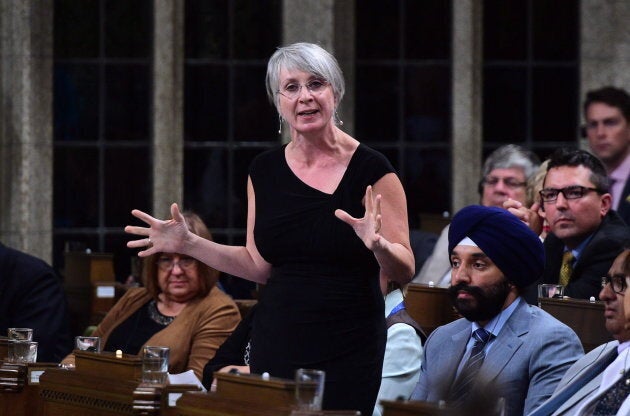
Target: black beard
x,y
487,302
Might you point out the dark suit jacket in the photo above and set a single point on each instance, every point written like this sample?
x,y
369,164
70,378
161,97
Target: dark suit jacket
x,y
31,296
594,261
624,205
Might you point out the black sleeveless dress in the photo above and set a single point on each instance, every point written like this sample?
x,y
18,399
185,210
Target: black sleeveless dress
x,y
322,307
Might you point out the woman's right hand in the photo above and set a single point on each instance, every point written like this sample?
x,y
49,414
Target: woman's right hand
x,y
161,236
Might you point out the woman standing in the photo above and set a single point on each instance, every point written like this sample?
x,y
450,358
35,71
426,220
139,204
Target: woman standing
x,y
322,306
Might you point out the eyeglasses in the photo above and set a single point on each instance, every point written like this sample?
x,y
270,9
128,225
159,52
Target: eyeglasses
x,y
617,283
512,183
292,89
569,192
166,263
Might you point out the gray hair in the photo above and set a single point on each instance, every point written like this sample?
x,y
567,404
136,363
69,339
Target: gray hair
x,y
306,57
512,156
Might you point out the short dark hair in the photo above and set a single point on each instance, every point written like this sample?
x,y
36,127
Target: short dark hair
x,y
578,157
612,96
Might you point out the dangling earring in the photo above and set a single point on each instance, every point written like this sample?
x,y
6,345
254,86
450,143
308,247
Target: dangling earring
x,y
337,119
280,124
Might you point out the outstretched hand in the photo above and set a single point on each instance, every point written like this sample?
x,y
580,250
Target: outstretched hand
x,y
367,228
167,236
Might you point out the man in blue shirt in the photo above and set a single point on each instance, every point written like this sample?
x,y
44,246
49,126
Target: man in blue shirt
x,y
502,345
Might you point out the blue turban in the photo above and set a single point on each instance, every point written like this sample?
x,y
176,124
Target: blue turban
x,y
507,241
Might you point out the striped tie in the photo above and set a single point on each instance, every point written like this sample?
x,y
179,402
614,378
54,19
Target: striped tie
x,y
566,268
466,378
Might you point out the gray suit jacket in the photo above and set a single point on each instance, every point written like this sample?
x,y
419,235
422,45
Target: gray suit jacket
x,y
571,405
527,359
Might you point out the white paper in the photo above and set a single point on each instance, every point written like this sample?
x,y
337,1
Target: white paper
x,y
187,377
35,376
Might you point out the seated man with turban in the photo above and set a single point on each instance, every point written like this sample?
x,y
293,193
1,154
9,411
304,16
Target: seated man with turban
x,y
503,353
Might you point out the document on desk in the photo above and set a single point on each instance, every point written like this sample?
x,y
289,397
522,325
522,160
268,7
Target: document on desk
x,y
187,377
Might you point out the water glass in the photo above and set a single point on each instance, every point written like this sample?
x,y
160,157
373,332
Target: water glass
x,y
309,389
20,334
22,351
550,290
155,364
87,343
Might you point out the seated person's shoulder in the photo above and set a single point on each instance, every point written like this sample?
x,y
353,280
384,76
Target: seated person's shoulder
x,y
544,325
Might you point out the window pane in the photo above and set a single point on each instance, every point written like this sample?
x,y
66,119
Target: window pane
x,y
505,29
427,103
206,185
75,102
377,29
75,188
205,102
206,29
376,103
255,118
554,98
76,29
555,29
257,28
427,29
127,102
427,179
505,105
128,28
127,184
126,260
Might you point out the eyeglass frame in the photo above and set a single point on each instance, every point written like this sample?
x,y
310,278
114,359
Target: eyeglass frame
x,y
620,278
184,263
308,86
510,182
583,191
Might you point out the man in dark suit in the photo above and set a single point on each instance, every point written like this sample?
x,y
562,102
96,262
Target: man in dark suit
x,y
607,128
593,375
31,296
586,235
502,345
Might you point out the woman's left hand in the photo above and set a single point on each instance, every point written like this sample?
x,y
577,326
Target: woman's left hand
x,y
367,228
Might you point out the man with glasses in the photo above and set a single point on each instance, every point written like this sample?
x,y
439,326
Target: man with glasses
x,y
607,128
585,233
584,388
506,173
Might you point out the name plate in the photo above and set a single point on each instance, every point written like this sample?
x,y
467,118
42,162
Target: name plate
x,y
105,292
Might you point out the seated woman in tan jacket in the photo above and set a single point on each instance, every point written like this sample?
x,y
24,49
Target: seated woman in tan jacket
x,y
180,307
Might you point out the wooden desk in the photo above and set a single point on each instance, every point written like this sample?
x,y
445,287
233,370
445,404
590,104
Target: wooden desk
x,y
89,281
103,385
584,317
211,404
19,388
429,306
246,394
